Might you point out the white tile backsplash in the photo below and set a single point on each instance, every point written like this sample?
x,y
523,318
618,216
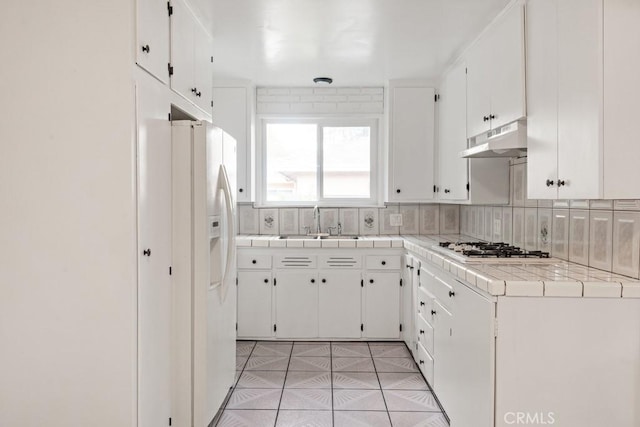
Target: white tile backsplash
x,y
626,243
410,219
560,234
369,221
518,227
349,221
449,219
579,236
531,229
601,239
329,218
305,220
269,221
289,221
249,220
488,224
384,216
497,224
507,224
545,218
429,219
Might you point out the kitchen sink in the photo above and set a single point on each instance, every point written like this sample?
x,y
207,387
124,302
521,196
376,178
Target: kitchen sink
x,y
318,236
342,236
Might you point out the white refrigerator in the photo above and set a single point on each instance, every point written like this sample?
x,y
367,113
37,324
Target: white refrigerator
x,y
204,270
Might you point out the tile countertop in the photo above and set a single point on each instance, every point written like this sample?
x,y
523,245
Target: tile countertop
x,y
528,278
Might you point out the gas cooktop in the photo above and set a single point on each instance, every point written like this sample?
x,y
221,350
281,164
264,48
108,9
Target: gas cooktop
x,y
490,252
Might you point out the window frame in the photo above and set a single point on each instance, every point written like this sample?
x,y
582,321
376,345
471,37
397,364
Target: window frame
x,y
374,158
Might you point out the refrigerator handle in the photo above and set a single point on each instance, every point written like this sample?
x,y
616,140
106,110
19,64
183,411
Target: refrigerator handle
x,y
228,198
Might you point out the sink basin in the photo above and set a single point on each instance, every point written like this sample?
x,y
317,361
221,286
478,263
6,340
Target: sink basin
x,y
343,236
317,236
299,236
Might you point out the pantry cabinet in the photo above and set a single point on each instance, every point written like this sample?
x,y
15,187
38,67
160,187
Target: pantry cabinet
x,y
580,142
152,37
411,142
191,47
496,74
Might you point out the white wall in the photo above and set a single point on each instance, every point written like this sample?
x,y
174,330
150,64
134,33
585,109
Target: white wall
x,y
67,214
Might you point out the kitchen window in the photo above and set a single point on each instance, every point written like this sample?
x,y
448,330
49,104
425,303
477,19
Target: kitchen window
x,y
321,161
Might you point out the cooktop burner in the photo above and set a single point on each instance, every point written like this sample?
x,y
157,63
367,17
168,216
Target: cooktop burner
x,y
491,250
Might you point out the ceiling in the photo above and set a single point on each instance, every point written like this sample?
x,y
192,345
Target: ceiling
x,y
356,42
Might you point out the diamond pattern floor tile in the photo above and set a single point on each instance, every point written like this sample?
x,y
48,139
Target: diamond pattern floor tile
x,y
358,400
410,400
269,349
307,350
261,379
361,419
240,362
350,350
402,381
287,418
265,363
244,348
395,364
356,380
306,399
247,418
390,351
418,419
299,379
353,364
252,398
310,364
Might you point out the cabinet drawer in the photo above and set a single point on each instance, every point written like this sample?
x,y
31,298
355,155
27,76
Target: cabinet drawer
x,y
253,261
424,305
442,290
383,262
425,363
425,333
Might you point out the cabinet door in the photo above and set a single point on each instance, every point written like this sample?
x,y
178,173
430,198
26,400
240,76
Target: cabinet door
x,y
542,99
152,29
154,256
453,134
382,305
230,112
507,68
579,98
254,304
339,300
182,49
296,304
444,353
412,144
203,77
478,89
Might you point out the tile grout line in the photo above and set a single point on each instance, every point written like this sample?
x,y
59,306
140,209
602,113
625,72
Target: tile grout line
x,y
286,373
333,416
235,384
375,368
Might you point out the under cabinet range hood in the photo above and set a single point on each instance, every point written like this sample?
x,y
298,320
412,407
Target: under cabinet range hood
x,y
506,141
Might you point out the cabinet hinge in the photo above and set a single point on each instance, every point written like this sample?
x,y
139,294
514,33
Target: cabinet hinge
x,y
418,272
170,270
169,8
467,186
400,327
170,68
236,326
274,281
236,281
362,283
434,188
212,59
436,97
169,420
274,328
400,282
362,326
466,70
211,104
169,116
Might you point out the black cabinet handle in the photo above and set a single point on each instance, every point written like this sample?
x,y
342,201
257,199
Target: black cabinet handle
x,y
313,280
421,303
266,280
561,183
433,312
384,262
198,94
324,280
370,280
240,190
549,183
422,362
492,117
146,252
421,331
447,191
253,261
194,89
485,119
451,294
146,48
398,191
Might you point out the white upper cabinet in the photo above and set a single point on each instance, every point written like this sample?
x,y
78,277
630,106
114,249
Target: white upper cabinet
x,y
152,49
191,47
233,112
495,81
453,169
411,143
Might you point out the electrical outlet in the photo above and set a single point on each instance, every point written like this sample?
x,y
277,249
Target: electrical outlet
x,y
395,220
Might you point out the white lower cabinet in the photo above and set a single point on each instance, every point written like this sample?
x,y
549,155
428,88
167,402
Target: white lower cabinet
x,y
339,297
296,304
382,305
254,304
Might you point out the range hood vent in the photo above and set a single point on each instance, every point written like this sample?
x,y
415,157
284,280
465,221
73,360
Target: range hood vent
x,y
507,141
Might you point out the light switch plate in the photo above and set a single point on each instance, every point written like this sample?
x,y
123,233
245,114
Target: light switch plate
x,y
395,220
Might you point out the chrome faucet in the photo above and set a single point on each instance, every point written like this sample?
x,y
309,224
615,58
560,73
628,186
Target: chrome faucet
x,y
316,218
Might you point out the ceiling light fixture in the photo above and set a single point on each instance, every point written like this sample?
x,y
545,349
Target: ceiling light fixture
x,y
323,80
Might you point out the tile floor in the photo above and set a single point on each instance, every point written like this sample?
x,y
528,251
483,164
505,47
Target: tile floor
x,y
317,384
